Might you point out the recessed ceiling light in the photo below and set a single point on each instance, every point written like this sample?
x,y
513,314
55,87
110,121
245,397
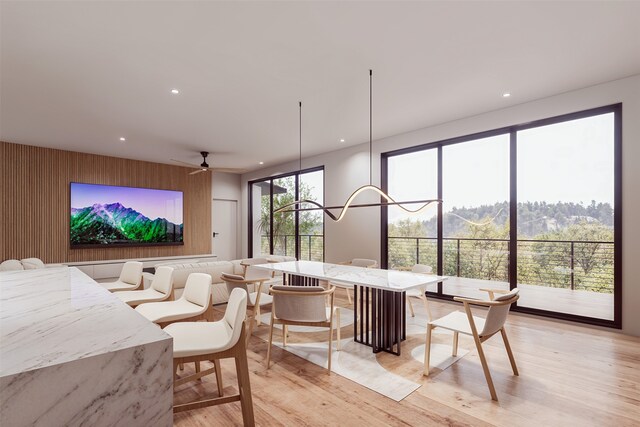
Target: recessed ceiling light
x,y
261,163
122,138
175,91
506,94
341,139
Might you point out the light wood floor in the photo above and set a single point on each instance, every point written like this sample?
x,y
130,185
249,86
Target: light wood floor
x,y
570,375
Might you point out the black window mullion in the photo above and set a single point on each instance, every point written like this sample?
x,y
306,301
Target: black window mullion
x,y
440,221
513,210
297,217
271,217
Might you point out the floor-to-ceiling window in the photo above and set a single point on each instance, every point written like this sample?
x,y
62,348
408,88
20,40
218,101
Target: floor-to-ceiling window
x,y
533,206
298,234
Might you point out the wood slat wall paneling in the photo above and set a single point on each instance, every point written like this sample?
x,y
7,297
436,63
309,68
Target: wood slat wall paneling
x,y
34,213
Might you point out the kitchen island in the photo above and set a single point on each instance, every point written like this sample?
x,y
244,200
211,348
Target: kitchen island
x,y
71,353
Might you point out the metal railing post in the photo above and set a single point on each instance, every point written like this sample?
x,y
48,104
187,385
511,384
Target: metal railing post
x,y
572,264
458,259
417,250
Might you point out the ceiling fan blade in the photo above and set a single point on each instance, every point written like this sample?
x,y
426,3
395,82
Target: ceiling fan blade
x,y
198,171
228,170
191,165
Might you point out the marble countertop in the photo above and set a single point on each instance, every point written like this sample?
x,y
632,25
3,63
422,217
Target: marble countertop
x,y
55,315
372,277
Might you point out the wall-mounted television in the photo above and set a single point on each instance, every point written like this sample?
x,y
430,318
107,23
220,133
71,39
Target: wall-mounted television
x,y
107,215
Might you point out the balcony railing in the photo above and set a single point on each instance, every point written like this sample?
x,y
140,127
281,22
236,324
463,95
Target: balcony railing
x,y
311,246
584,265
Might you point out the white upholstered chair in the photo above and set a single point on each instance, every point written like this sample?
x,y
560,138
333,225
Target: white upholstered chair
x,y
212,341
419,293
481,329
161,289
130,278
194,304
303,306
255,298
11,265
356,262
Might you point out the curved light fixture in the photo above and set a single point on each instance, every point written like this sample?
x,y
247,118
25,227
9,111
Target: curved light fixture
x,y
389,201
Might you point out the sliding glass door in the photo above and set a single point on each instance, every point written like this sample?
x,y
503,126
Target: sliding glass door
x,y
566,212
297,234
534,206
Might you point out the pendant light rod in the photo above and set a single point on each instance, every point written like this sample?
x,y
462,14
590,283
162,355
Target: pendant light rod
x,y
300,136
370,127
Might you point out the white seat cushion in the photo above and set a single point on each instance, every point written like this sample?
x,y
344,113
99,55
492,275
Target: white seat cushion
x,y
459,322
11,265
264,299
118,286
196,338
169,311
139,297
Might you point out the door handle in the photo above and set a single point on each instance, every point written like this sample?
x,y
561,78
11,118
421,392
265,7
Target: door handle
x,y
215,234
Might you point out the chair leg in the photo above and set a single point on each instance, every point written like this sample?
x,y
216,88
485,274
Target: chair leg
x,y
330,342
182,366
216,364
509,352
198,370
426,306
485,368
285,332
257,316
338,327
427,350
175,371
270,342
244,387
251,322
413,314
454,353
348,295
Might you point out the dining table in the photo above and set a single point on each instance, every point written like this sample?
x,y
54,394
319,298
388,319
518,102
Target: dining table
x,y
379,315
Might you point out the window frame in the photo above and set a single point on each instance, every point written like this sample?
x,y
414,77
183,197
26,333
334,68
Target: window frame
x,y
270,179
512,131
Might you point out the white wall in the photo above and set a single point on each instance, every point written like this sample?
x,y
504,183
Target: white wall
x,y
358,235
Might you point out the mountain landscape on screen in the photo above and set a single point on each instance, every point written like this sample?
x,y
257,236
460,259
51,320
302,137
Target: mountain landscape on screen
x,y
114,223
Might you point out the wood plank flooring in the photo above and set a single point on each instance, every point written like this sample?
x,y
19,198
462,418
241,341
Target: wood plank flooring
x,y
570,375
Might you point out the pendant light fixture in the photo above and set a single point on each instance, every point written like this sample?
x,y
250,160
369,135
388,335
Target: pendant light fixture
x,y
388,200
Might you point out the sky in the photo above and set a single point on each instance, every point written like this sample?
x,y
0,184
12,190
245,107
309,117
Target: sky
x,y
568,162
151,203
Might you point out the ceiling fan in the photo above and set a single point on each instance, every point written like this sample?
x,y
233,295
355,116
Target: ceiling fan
x,y
204,166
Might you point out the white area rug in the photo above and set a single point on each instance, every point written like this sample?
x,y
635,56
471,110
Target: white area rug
x,y
358,363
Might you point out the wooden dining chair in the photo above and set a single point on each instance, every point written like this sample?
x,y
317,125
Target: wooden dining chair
x,y
255,298
303,306
213,341
419,293
161,289
481,329
356,262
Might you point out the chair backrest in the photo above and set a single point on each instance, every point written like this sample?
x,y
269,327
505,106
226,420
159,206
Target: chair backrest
x,y
235,314
131,272
422,268
255,261
497,315
363,262
197,290
257,274
11,265
163,280
32,263
297,305
234,281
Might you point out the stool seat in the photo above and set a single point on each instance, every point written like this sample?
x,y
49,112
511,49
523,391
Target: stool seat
x,y
196,338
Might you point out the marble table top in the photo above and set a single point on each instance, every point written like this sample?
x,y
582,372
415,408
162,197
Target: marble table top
x,y
371,277
51,316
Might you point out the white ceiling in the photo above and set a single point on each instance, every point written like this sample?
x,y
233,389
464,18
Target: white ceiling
x,y
79,75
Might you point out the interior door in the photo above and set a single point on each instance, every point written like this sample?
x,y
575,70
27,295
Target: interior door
x,y
224,223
